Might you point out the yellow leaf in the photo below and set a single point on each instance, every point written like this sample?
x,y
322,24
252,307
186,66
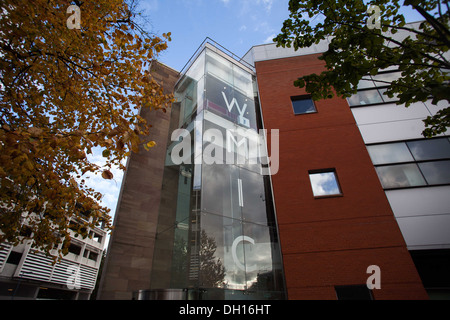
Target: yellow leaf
x,y
151,144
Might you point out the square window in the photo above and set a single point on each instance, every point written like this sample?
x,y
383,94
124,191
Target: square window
x,y
303,105
324,183
14,257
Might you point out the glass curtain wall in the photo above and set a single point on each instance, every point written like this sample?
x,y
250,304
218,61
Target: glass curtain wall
x,y
217,235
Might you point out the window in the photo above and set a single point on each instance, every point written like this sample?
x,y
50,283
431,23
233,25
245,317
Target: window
x,y
389,153
430,149
365,97
372,89
386,98
384,79
356,292
410,163
90,255
436,172
75,249
365,83
93,256
369,97
324,183
96,237
303,105
400,176
14,257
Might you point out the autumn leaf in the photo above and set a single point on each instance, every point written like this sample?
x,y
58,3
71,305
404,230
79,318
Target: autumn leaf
x,y
35,131
106,174
65,92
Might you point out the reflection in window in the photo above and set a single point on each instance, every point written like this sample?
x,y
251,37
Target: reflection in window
x,y
430,149
242,257
303,105
400,176
253,194
324,183
374,96
221,195
386,98
369,97
365,83
365,97
389,153
436,172
219,67
211,269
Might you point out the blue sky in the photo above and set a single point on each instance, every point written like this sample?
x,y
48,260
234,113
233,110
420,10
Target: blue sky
x,y
235,24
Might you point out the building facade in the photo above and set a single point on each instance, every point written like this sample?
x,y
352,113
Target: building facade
x,y
217,233
347,191
130,251
28,274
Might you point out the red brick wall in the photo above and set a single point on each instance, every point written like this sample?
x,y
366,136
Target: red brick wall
x,y
329,241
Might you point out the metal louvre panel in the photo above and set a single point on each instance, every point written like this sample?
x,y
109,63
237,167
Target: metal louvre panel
x,y
62,272
5,248
88,277
37,267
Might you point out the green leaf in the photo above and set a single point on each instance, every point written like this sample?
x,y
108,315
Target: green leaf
x,y
106,153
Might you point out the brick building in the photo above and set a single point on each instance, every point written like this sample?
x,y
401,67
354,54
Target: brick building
x,y
348,185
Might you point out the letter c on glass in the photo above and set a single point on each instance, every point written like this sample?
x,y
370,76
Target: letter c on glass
x,y
234,253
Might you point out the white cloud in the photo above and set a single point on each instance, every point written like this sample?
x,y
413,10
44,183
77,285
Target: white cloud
x,y
247,7
269,39
149,5
267,4
324,184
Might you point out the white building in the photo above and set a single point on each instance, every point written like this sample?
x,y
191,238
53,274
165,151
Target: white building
x,y
26,273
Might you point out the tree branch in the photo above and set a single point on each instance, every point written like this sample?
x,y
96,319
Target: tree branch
x,y
441,29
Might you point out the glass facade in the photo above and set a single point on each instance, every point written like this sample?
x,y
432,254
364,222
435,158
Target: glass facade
x,y
217,235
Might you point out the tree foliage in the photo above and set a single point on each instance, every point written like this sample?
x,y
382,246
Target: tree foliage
x,y
355,50
212,270
65,92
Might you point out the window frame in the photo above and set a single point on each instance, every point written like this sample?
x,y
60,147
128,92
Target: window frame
x,y
303,97
327,170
